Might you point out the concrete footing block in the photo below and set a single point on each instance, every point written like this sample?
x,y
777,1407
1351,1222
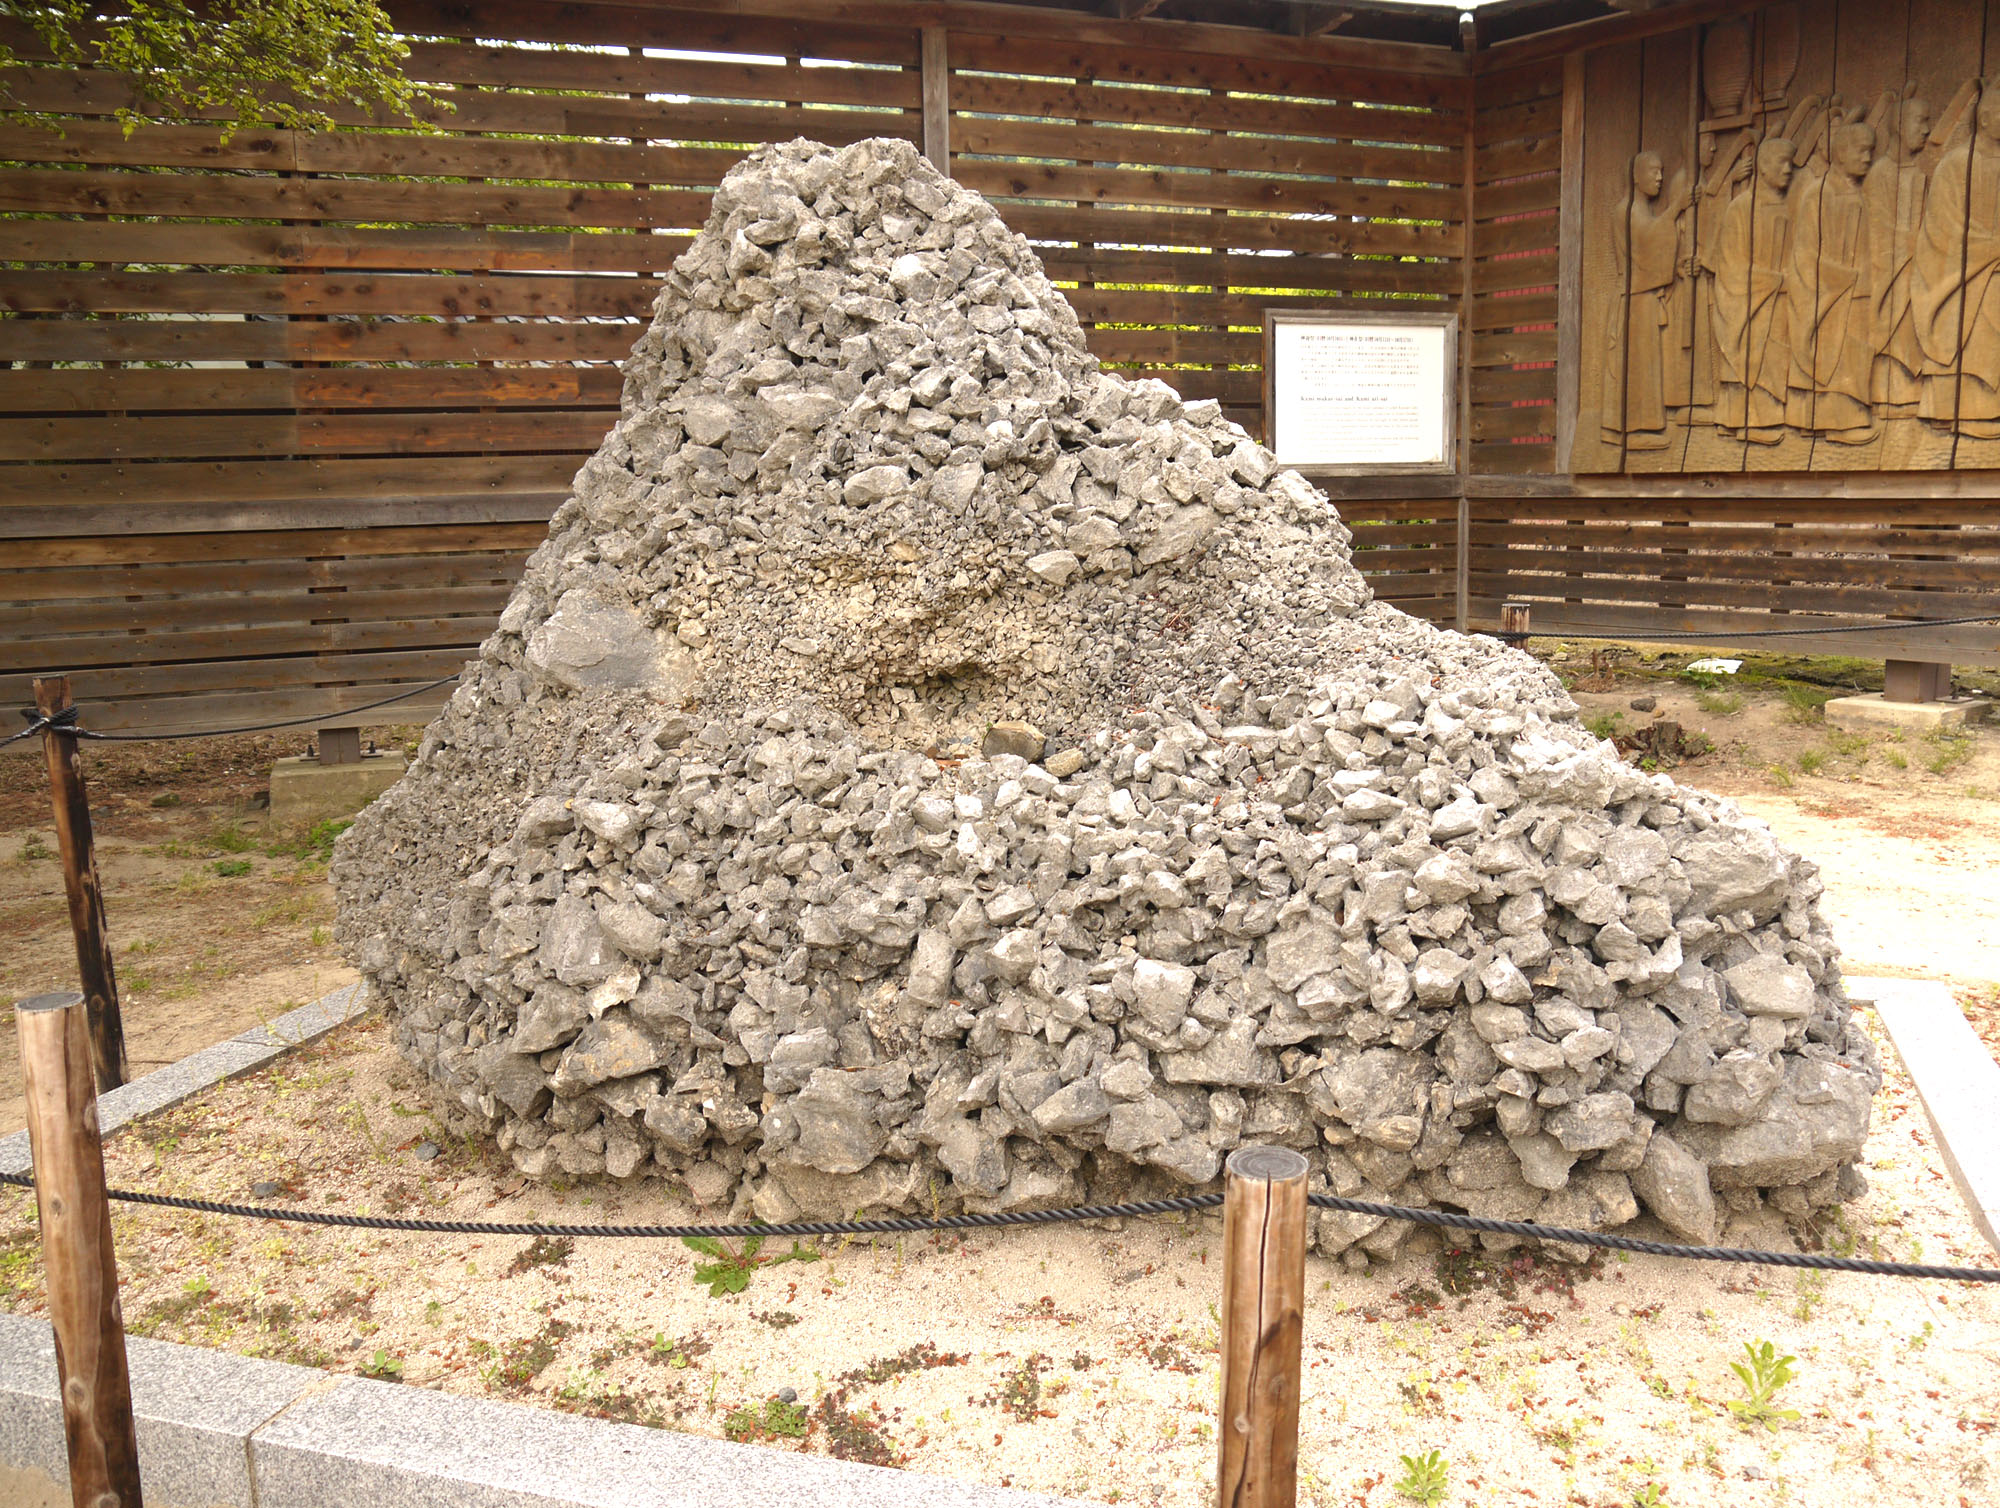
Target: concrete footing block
x,y
1875,713
223,1431
304,791
1957,1080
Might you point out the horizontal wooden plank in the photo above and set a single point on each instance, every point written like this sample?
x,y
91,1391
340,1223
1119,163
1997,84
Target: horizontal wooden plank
x,y
1499,89
166,646
1521,120
1512,457
1771,597
652,98
1167,347
375,154
302,578
206,389
1502,274
529,295
1521,196
1332,274
1180,306
719,26
71,622
103,541
1536,306
1755,567
1508,347
1067,99
163,485
1103,225
1523,233
385,515
1860,537
284,674
1191,190
252,246
93,191
1513,421
1517,159
406,433
1028,51
1957,495
196,339
1123,146
1507,384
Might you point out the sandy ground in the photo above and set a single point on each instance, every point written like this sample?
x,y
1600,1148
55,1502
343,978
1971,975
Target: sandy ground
x,y
1077,1361
1073,1360
215,922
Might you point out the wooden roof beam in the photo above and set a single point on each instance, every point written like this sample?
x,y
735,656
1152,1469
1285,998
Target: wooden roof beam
x,y
1316,19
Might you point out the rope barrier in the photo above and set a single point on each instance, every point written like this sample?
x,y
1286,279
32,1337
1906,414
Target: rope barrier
x,y
901,1225
66,720
1648,636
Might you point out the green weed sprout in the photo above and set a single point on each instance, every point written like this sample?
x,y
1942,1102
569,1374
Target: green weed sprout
x,y
1423,1477
1766,1373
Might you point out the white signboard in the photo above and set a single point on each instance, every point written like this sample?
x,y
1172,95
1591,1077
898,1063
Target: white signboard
x,y
1361,392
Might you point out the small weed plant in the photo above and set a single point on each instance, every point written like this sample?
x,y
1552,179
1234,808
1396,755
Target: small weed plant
x,y
777,1420
1424,1477
728,1271
1650,1496
1719,703
1947,753
1762,1375
231,869
384,1368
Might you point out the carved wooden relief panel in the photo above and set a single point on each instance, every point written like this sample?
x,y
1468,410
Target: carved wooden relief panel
x,y
1791,224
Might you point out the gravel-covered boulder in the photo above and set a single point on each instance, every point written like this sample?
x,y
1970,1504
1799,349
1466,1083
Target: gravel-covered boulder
x,y
922,768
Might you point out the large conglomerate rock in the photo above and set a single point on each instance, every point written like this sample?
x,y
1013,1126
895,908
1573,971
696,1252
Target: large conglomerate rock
x,y
718,866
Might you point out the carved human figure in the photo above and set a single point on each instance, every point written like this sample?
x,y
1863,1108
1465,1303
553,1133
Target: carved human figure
x,y
1752,345
1954,305
1895,191
1829,311
1645,240
1701,240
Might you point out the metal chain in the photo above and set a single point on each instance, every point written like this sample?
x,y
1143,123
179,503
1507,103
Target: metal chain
x,y
906,1224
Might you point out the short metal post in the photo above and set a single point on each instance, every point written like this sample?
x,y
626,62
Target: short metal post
x,y
1263,1323
78,1259
1916,681
71,806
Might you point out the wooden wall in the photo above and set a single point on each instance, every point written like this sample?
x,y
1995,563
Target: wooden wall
x,y
282,414
1798,535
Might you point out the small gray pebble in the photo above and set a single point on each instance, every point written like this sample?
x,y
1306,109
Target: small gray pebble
x,y
426,1150
788,1395
266,1190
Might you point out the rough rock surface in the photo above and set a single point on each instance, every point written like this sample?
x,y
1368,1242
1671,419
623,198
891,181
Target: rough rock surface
x,y
727,859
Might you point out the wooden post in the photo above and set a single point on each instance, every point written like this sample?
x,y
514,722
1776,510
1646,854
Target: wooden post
x,y
78,1261
1514,622
71,806
1263,1320
937,99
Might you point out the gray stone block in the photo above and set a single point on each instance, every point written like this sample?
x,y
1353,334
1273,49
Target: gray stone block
x,y
1957,1080
194,1410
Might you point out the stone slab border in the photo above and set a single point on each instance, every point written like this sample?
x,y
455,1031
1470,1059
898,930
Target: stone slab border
x,y
198,1071
224,1431
1956,1079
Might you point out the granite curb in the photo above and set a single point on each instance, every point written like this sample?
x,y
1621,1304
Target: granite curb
x,y
1957,1080
210,1066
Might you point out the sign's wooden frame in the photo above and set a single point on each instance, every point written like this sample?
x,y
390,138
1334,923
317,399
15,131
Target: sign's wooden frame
x,y
1446,320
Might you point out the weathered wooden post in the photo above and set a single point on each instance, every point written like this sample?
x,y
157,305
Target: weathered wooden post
x,y
1514,622
71,806
78,1260
1263,1321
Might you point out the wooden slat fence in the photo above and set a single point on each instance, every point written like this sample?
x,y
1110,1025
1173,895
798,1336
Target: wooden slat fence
x,y
281,415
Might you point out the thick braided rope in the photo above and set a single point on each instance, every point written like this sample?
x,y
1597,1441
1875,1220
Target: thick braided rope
x,y
914,1223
